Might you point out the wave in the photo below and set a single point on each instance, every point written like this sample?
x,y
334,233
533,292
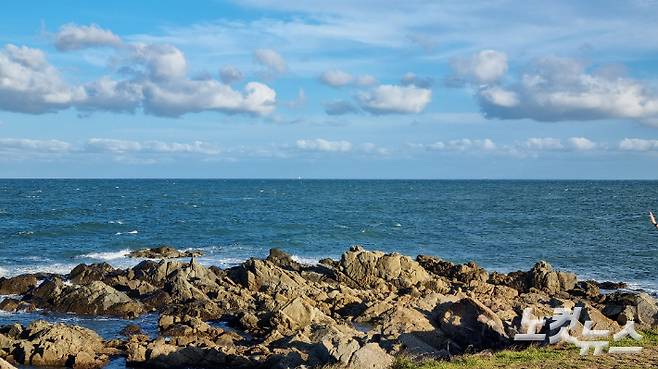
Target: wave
x,y
108,255
305,260
131,232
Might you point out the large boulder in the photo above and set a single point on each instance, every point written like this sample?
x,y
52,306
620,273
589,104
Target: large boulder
x,y
464,273
57,345
298,314
85,274
470,323
544,278
97,298
18,285
623,306
374,269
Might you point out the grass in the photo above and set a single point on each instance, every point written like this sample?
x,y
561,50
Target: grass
x,y
545,357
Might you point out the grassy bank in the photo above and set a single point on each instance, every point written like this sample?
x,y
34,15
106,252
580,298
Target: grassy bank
x,y
548,357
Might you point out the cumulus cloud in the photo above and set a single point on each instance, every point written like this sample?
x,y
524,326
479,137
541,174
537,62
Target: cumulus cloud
x,y
157,83
336,78
390,99
322,145
559,89
638,144
29,84
23,144
581,143
271,60
74,37
340,107
230,74
114,146
486,66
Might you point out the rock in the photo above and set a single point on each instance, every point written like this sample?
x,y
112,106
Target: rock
x,y
97,298
163,252
370,356
464,273
57,345
588,289
298,314
469,323
85,274
6,365
14,305
131,330
18,285
283,260
624,306
607,285
373,269
544,278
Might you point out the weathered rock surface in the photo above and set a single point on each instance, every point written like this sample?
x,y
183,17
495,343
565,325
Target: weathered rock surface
x,y
356,312
164,252
54,345
18,285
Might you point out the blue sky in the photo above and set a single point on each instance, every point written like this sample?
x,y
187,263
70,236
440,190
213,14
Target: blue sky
x,y
341,89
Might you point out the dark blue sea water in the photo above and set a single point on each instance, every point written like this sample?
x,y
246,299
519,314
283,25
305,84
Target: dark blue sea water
x,y
598,229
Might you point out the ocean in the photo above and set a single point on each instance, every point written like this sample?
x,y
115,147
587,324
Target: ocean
x,y
597,229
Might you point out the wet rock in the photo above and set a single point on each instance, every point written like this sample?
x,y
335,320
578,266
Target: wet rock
x,y
607,285
14,305
131,330
469,323
163,252
18,285
374,269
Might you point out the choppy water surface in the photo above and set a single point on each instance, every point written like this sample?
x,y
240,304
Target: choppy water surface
x,y
598,229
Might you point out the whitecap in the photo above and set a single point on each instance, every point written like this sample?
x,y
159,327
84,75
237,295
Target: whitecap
x,y
108,255
305,260
131,232
115,222
398,225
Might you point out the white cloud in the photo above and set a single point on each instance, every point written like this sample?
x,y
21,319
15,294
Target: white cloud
x,y
365,80
340,107
373,149
29,84
336,78
23,144
163,62
544,143
462,144
581,143
559,89
110,95
74,37
179,97
271,60
323,145
114,146
486,66
388,99
230,74
638,144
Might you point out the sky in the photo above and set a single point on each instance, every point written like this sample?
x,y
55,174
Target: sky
x,y
341,89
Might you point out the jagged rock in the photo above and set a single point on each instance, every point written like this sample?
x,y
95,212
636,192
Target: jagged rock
x,y
14,305
97,298
163,252
588,289
283,260
464,273
607,285
544,278
85,274
639,307
18,285
469,323
131,330
298,314
6,365
57,345
374,269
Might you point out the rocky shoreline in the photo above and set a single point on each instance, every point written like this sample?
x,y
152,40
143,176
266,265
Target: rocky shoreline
x,y
359,312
